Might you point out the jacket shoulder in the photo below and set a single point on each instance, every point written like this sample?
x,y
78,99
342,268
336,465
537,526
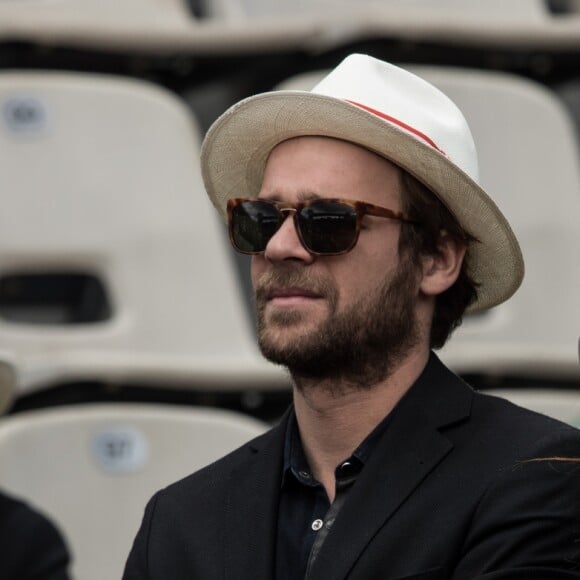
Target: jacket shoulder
x,y
520,428
216,475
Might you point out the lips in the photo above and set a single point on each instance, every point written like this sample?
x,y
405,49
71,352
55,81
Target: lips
x,y
293,292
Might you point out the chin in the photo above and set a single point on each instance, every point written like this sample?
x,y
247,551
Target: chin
x,y
290,321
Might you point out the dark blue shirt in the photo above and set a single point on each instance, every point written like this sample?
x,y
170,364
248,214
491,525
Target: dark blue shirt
x,y
305,515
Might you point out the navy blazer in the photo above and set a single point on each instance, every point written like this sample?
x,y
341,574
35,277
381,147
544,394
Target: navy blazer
x,y
461,486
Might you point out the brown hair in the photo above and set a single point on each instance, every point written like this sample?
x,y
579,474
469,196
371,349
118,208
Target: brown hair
x,y
433,218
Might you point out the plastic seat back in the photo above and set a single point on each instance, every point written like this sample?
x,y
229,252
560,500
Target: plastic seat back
x,y
93,468
113,264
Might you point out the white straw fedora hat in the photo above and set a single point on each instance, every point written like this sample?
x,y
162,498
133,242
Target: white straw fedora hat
x,y
393,113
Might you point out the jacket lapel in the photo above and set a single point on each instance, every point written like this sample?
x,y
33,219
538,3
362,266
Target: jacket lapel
x,y
251,511
409,450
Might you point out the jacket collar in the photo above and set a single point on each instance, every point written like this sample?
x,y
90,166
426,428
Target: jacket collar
x,y
412,446
252,508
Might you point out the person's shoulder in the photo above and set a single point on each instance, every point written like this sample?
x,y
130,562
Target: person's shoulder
x,y
523,426
216,475
10,505
18,517
205,491
13,511
31,542
503,409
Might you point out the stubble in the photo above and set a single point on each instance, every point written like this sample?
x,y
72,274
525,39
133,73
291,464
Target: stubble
x,y
358,346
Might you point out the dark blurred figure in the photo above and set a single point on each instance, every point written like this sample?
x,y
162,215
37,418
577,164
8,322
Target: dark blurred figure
x,y
31,548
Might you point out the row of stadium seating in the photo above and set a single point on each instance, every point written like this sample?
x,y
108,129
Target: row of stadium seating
x,y
116,278
101,181
227,26
106,208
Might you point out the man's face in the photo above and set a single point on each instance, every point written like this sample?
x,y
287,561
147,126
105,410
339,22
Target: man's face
x,y
350,316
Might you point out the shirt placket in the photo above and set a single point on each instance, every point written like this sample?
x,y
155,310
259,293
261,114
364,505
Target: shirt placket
x,y
345,475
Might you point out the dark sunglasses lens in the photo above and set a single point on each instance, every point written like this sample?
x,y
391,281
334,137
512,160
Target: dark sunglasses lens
x,y
252,225
327,227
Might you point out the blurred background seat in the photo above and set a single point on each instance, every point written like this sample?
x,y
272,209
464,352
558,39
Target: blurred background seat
x,y
116,279
113,264
569,92
528,154
7,382
92,468
529,163
104,22
206,27
145,26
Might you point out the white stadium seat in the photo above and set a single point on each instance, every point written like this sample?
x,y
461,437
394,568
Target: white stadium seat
x,y
529,163
210,27
93,468
101,177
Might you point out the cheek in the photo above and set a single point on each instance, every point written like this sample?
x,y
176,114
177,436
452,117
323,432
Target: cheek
x,y
377,263
257,268
352,285
366,277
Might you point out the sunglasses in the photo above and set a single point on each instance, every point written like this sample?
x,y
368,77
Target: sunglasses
x,y
326,227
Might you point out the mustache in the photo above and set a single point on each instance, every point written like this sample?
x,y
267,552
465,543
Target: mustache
x,y
289,277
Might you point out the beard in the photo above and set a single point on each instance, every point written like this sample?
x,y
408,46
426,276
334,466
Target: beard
x,y
359,346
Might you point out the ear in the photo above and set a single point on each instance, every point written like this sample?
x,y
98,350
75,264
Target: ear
x,y
440,270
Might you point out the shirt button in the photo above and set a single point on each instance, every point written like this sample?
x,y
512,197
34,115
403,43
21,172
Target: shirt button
x,y
317,524
304,474
347,469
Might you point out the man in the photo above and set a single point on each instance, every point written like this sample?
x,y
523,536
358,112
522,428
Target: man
x,y
370,237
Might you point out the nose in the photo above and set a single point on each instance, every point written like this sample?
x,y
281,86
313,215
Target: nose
x,y
285,244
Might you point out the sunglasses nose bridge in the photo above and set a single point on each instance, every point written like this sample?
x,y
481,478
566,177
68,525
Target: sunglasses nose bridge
x,y
284,240
286,212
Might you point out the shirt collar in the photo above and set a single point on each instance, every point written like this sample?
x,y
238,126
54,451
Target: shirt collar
x,y
295,462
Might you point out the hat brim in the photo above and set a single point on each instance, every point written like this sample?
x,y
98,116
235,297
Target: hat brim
x,y
236,149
